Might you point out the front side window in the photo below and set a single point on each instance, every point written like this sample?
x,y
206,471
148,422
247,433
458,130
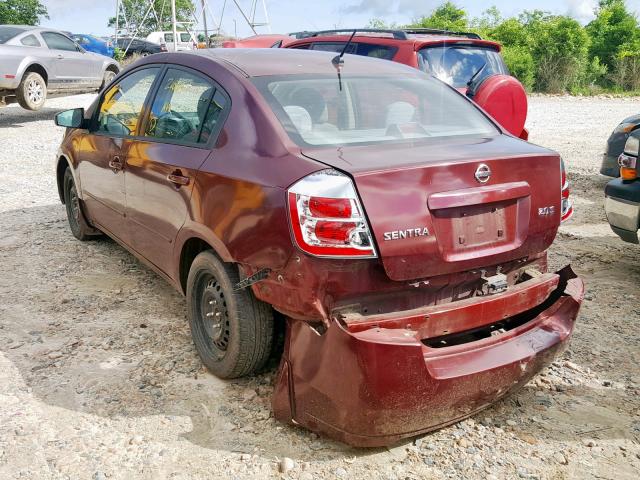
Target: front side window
x,y
384,52
121,107
185,38
370,109
168,37
55,41
186,109
30,41
457,64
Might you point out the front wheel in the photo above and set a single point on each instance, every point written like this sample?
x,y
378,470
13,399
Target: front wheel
x,y
232,330
32,91
77,221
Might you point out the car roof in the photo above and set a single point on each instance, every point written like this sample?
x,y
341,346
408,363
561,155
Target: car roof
x,y
256,62
392,37
19,27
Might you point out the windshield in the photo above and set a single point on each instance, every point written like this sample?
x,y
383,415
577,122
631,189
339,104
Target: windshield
x,y
7,33
377,109
456,64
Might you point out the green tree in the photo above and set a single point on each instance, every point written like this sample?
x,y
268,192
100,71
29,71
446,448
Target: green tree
x,y
21,12
380,24
158,19
488,20
613,27
510,32
447,16
560,47
521,64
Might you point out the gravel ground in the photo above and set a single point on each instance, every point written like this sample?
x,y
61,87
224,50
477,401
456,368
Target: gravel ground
x,y
99,379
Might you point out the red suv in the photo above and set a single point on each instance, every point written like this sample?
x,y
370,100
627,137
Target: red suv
x,y
396,228
463,60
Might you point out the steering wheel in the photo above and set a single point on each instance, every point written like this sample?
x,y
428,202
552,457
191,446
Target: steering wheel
x,y
174,125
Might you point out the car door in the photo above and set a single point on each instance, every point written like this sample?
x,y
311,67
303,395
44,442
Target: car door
x,y
102,161
185,117
73,66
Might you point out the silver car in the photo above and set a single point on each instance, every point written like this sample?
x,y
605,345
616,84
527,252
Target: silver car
x,y
35,61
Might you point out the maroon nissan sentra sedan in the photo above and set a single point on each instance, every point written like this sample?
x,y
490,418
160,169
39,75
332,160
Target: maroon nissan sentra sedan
x,y
398,230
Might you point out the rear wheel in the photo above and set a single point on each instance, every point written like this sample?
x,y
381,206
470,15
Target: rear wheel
x,y
232,330
32,91
77,221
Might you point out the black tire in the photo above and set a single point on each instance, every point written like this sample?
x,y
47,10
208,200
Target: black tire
x,y
107,77
232,330
32,91
77,221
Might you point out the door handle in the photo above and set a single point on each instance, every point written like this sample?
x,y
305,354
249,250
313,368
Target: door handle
x,y
178,179
115,164
60,56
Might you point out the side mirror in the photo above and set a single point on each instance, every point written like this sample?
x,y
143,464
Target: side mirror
x,y
71,118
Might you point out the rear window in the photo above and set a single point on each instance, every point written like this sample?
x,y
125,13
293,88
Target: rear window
x,y
370,109
457,64
7,33
364,49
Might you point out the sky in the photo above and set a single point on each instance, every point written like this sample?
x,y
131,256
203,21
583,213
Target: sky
x,y
91,16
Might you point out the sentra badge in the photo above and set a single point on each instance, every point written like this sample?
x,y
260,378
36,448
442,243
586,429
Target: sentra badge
x,y
409,233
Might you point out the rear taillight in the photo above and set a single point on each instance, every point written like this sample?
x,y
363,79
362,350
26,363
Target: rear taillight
x,y
327,218
565,201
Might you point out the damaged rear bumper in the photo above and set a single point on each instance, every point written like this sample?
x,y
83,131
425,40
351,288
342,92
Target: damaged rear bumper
x,y
372,387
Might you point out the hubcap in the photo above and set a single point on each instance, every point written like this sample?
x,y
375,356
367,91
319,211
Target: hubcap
x,y
35,92
214,315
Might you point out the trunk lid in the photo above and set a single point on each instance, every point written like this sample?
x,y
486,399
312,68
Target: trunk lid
x,y
429,214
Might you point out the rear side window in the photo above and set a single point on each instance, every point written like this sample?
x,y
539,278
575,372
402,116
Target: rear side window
x,y
364,49
55,41
7,32
30,41
185,37
187,108
121,106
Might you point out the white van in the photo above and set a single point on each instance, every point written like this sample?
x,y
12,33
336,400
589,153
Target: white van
x,y
186,41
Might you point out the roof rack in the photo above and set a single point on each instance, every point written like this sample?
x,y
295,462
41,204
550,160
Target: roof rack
x,y
399,34
435,31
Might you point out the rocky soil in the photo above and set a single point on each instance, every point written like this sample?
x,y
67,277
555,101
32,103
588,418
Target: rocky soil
x,y
99,378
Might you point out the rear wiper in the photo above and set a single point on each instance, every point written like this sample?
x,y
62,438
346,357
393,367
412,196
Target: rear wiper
x,y
338,62
478,72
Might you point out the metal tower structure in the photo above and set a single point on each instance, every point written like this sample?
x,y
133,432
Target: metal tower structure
x,y
251,17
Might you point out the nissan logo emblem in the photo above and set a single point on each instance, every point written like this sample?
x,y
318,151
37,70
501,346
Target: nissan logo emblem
x,y
483,173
